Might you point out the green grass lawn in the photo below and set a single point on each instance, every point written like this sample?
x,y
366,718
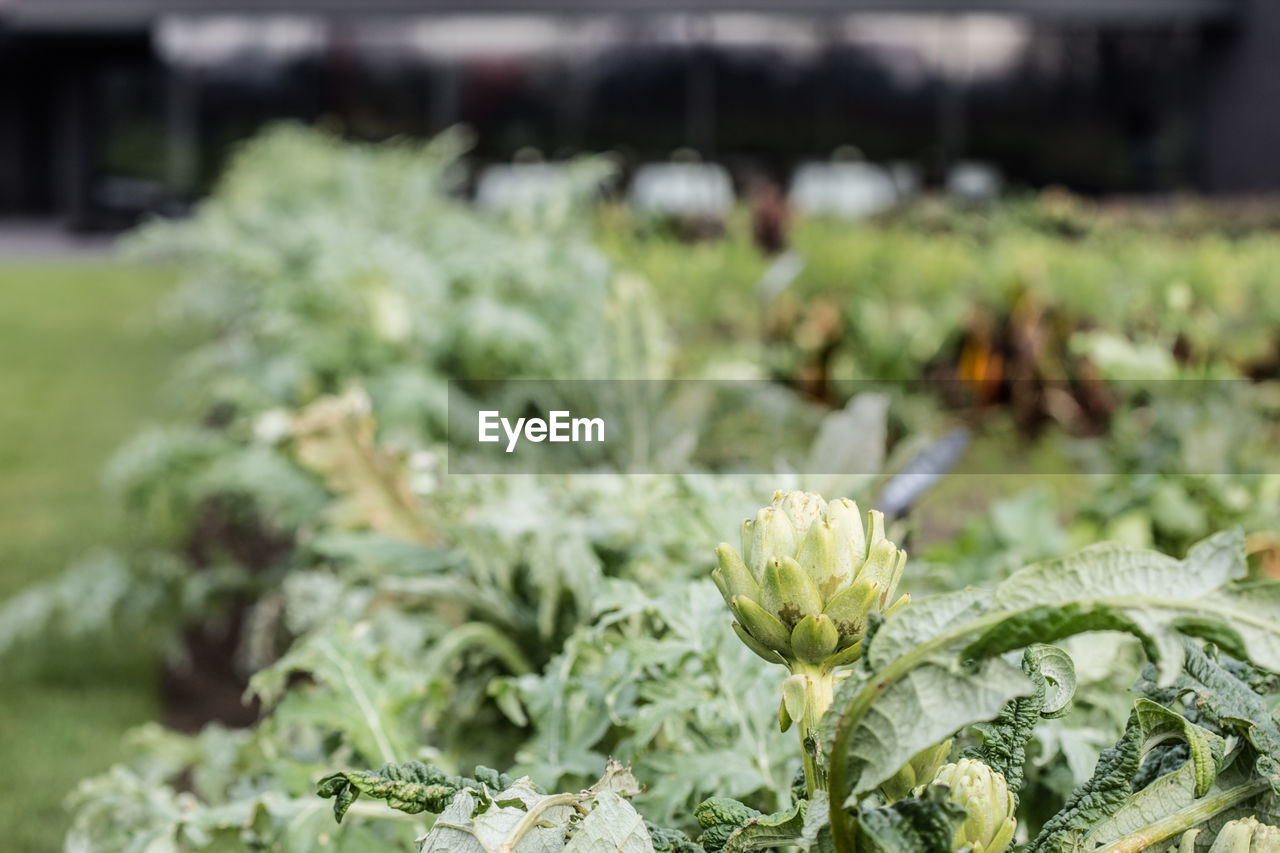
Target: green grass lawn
x,y
81,359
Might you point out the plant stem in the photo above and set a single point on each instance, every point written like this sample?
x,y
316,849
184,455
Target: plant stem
x,y
1185,818
534,815
819,687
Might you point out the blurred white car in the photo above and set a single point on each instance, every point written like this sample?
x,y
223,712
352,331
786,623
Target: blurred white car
x,y
974,182
509,186
844,190
682,190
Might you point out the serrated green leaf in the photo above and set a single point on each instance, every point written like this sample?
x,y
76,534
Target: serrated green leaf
x,y
347,694
668,840
764,832
926,824
1098,798
720,818
1142,592
1106,587
1158,800
1004,739
1226,701
1159,723
411,787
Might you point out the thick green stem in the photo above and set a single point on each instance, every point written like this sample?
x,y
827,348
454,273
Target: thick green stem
x,y
819,687
1185,818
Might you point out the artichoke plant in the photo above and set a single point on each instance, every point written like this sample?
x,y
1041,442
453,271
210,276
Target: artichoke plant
x,y
803,590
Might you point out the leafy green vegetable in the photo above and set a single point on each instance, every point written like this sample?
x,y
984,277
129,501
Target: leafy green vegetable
x,y
410,787
927,824
1004,739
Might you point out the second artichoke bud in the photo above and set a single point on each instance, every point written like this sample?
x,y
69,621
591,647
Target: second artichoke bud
x,y
1246,835
808,577
989,805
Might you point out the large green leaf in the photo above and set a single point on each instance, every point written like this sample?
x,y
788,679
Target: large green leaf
x,y
1226,701
1105,587
520,819
347,693
914,825
1098,798
612,825
927,705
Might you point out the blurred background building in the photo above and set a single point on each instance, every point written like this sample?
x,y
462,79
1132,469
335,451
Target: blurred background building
x,y
114,108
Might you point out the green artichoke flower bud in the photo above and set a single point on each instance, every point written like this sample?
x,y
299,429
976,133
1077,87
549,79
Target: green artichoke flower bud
x,y
922,768
809,576
1246,835
987,800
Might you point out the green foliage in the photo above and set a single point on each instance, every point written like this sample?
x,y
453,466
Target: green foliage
x,y
410,787
882,718
402,618
926,824
1004,739
720,818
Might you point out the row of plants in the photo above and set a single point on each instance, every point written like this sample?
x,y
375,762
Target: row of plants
x,y
1042,318
399,627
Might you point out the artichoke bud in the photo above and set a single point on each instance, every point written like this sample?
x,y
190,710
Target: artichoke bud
x,y
762,625
1247,835
923,766
987,801
787,592
732,576
802,558
814,638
